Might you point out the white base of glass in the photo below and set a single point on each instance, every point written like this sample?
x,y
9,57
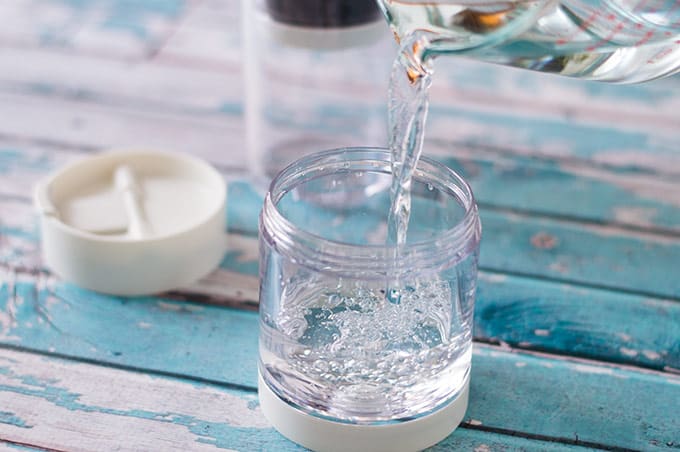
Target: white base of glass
x,y
328,436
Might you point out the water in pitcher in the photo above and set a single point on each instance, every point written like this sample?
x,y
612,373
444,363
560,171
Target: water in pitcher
x,y
606,40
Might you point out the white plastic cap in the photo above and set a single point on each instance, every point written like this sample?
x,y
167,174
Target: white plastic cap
x,y
133,222
325,435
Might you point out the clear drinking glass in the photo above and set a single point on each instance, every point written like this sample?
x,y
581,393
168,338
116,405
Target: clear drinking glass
x,y
331,343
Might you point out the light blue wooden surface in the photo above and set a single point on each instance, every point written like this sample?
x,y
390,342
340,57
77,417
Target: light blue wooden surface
x,y
238,434
578,185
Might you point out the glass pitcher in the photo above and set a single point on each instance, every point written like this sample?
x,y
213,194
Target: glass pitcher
x,y
606,40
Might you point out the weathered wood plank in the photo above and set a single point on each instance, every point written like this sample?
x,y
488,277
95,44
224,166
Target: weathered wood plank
x,y
580,192
642,147
52,395
592,255
529,113
645,146
6,446
38,312
209,32
523,312
123,28
62,405
19,239
82,124
145,85
549,248
49,395
573,399
622,126
83,324
563,319
209,36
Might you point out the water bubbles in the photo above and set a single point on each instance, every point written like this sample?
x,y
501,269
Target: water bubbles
x,y
393,296
430,187
344,339
320,365
293,327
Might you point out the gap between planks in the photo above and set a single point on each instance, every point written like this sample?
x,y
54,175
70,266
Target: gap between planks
x,y
490,346
23,446
247,302
235,173
470,424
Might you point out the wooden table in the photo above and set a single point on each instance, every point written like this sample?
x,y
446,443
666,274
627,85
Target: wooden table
x,y
577,322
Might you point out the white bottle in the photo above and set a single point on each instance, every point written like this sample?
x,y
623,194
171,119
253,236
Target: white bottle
x,y
316,75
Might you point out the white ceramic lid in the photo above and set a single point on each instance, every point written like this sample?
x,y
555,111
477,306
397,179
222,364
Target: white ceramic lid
x,y
133,222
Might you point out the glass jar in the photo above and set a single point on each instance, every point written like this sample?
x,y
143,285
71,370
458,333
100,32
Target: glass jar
x,y
315,77
332,345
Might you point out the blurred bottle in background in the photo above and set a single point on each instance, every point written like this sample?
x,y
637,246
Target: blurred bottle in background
x,y
316,75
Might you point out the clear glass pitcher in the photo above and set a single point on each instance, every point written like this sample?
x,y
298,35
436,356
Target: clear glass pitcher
x,y
606,40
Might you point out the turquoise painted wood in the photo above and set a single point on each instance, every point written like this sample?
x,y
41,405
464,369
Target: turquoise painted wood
x,y
15,447
584,401
546,248
567,321
577,183
580,254
523,312
220,345
546,187
82,24
148,333
625,197
240,428
615,411
591,323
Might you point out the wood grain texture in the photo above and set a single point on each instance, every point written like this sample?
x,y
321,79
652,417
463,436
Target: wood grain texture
x,y
6,446
156,412
524,312
583,191
578,184
571,252
63,404
559,249
578,398
83,124
643,201
521,311
576,252
144,85
121,28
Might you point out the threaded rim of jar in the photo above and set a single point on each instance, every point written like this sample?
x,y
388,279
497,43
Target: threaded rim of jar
x,y
368,261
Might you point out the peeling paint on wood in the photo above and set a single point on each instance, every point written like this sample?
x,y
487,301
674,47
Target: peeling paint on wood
x,y
70,411
520,311
577,182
